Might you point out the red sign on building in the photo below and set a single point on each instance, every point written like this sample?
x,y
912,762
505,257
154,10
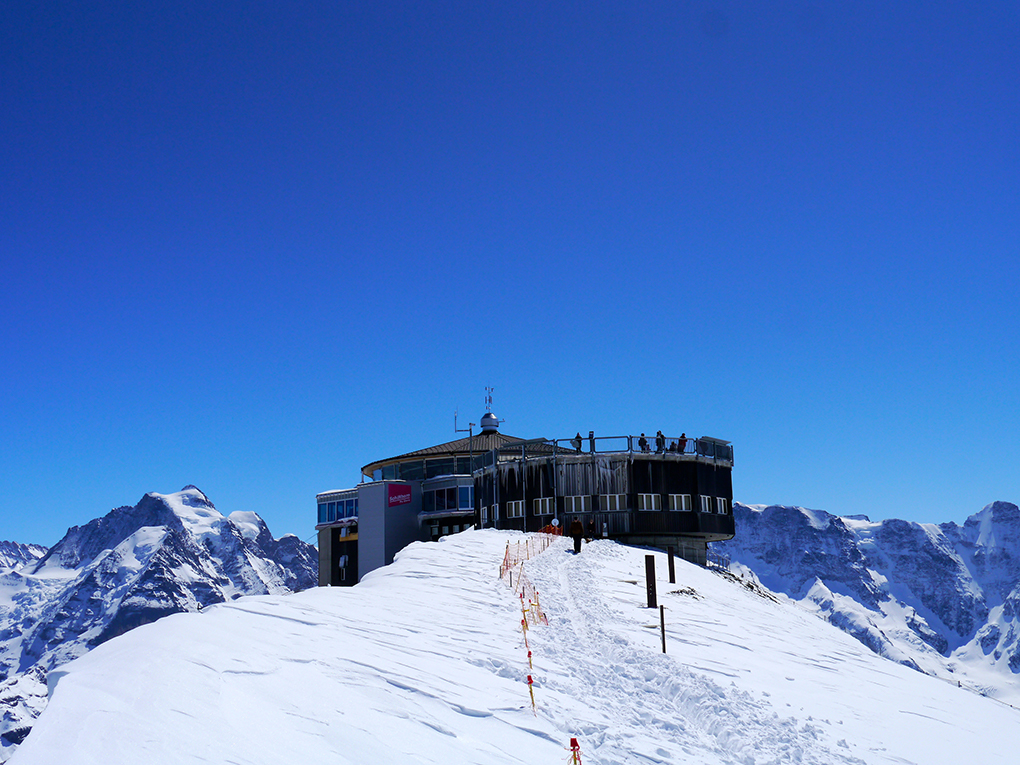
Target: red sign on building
x,y
399,494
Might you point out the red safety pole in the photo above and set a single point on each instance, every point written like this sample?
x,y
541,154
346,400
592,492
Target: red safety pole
x,y
575,752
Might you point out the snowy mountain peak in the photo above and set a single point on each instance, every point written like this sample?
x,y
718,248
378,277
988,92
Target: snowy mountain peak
x,y
198,493
197,514
942,598
998,520
170,553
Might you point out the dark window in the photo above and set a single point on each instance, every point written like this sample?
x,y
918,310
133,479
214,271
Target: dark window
x,y
412,471
439,467
465,498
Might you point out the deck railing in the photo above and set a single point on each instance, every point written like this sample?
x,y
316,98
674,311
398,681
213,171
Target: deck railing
x,y
677,446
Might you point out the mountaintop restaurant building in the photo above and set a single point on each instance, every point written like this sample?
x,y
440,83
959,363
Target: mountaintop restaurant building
x,y
658,491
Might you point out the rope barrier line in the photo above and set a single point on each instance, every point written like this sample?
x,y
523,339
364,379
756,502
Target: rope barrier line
x,y
531,611
520,552
513,560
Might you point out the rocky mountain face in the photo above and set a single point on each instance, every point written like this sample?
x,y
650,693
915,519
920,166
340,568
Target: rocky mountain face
x,y
944,599
168,554
14,554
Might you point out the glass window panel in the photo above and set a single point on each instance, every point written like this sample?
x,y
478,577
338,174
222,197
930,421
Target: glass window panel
x,y
428,501
442,466
412,471
440,499
451,498
465,497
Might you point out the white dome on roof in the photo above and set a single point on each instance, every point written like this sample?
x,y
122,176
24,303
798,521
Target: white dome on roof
x,y
489,422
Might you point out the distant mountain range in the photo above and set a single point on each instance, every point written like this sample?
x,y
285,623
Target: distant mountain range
x,y
943,599
14,554
168,554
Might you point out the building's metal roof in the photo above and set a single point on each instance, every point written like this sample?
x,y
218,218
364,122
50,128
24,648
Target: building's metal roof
x,y
483,442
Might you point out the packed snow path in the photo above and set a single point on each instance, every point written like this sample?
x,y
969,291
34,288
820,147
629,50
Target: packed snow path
x,y
425,662
638,704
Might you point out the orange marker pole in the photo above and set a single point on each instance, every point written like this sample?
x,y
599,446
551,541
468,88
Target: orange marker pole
x,y
532,692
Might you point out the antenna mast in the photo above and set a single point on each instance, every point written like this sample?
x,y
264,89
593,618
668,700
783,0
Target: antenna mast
x,y
471,438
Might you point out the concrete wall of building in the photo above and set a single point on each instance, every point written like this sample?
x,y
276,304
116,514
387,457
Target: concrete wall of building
x,y
325,557
385,527
402,525
371,526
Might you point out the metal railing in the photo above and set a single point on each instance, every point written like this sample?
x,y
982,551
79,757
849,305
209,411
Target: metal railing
x,y
678,446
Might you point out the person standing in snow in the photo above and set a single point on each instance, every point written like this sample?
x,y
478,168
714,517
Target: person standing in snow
x,y
576,531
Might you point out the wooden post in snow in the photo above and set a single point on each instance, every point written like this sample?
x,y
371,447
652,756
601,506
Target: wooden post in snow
x,y
650,580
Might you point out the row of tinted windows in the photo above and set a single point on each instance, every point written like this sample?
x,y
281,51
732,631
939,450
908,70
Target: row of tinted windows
x,y
419,470
334,511
454,498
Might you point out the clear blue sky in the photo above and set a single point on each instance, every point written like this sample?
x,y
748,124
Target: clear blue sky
x,y
254,246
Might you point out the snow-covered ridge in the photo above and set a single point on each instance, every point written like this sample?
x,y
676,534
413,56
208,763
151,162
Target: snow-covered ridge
x,y
425,661
168,554
938,598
